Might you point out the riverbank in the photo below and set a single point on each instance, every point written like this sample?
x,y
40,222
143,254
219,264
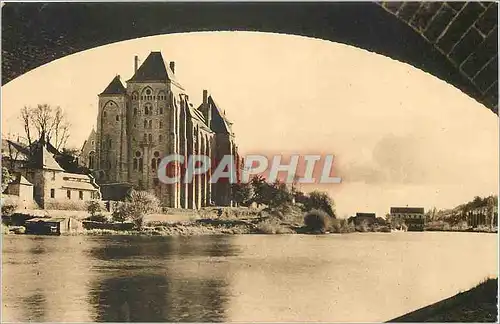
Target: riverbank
x,y
478,304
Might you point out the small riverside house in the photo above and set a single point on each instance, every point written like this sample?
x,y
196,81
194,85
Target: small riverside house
x,y
52,226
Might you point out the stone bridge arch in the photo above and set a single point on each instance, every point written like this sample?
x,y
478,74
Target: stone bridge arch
x,y
456,42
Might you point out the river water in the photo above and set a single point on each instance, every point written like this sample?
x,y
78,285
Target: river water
x,y
348,278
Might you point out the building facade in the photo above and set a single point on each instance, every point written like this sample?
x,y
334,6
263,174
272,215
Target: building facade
x,y
149,118
38,176
413,217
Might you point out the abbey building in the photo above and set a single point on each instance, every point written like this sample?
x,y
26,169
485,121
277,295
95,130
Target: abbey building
x,y
151,117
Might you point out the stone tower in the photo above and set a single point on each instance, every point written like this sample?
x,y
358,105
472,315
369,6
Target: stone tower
x,y
111,148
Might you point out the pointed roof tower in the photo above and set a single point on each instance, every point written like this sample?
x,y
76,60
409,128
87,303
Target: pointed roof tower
x,y
115,87
154,69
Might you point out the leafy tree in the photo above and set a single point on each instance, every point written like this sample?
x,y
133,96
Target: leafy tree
x,y
320,200
6,178
93,207
279,194
242,193
140,204
121,212
261,190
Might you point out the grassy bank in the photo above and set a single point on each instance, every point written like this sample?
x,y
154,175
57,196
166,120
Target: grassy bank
x,y
478,304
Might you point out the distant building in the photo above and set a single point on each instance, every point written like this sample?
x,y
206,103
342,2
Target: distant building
x,y
413,217
366,218
40,178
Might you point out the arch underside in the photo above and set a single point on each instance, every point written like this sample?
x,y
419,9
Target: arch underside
x,y
456,42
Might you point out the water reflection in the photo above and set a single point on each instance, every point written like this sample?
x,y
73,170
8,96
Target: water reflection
x,y
365,277
154,298
147,280
34,306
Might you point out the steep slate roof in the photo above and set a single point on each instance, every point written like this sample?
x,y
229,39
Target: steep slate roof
x,y
115,87
220,123
42,159
154,69
21,180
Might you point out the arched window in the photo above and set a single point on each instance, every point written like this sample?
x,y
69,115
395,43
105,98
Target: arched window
x,y
150,138
156,160
135,96
91,160
138,161
160,138
150,124
148,109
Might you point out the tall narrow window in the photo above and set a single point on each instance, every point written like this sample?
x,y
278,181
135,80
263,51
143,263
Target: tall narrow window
x,y
153,164
161,110
145,138
145,123
52,193
68,194
135,111
140,164
161,124
80,195
135,164
160,138
150,138
53,175
104,114
117,118
150,124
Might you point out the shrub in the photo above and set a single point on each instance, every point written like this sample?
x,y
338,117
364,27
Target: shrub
x,y
140,204
271,226
341,226
363,227
100,218
8,207
121,213
317,221
93,207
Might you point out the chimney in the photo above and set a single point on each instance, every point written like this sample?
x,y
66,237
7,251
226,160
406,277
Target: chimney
x,y
206,110
172,66
136,63
205,97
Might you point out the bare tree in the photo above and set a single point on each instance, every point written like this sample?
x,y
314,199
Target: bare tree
x,y
43,119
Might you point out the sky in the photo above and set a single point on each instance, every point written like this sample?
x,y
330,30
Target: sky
x,y
400,136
